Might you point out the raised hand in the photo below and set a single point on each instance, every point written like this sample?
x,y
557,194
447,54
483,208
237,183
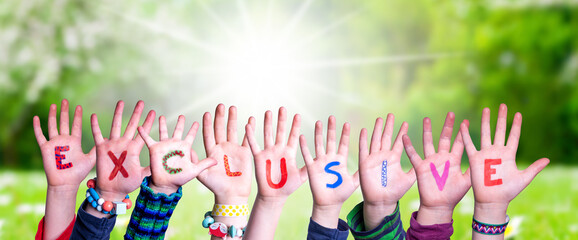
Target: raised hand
x,y
65,165
440,181
118,166
173,162
230,179
495,177
383,181
329,180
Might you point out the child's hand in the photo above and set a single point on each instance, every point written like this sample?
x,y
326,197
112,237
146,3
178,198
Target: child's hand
x,y
173,162
230,179
329,180
383,181
440,180
118,166
275,168
496,179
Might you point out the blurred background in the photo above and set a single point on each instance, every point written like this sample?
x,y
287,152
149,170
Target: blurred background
x,y
357,60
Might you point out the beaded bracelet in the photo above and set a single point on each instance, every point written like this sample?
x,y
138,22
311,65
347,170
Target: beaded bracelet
x,y
106,207
219,229
490,229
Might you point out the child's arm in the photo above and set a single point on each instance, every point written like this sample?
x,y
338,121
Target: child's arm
x,y
277,174
118,171
441,183
230,179
383,183
329,180
495,177
65,166
173,163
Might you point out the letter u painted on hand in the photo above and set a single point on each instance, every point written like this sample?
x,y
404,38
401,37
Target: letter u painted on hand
x,y
489,171
283,174
339,178
441,181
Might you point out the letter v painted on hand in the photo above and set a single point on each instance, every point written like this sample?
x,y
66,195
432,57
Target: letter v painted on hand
x,y
441,181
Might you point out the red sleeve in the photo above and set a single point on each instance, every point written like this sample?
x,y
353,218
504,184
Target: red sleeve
x,y
63,236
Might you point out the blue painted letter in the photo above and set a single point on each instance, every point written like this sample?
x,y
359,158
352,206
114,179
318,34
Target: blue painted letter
x,y
384,173
339,179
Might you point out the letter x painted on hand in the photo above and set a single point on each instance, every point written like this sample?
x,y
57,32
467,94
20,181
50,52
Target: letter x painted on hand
x,y
117,165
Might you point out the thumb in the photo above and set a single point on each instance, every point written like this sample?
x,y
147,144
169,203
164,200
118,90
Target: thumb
x,y
203,165
530,173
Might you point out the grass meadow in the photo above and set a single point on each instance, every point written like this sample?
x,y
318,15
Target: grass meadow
x,y
545,210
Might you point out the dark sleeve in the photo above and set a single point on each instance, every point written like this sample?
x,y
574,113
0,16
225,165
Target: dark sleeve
x,y
390,228
88,226
433,232
318,232
152,212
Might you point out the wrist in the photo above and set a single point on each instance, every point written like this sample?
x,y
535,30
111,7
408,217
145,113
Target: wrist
x,y
326,215
434,215
491,213
63,190
271,201
231,200
374,213
167,189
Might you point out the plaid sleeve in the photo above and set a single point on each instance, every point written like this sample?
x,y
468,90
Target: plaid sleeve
x,y
152,212
390,228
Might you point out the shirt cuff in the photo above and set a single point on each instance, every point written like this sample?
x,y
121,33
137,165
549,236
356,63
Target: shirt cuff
x,y
88,226
318,232
63,236
434,232
390,227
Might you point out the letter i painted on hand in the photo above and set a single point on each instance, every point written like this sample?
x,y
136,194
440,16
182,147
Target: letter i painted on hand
x,y
60,157
283,174
489,171
339,178
228,169
441,181
384,173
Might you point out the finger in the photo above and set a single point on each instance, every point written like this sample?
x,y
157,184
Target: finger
x,y
251,139
147,126
232,125
281,121
514,137
363,152
190,138
163,132
92,155
319,149
356,179
252,123
145,136
500,135
219,127
294,134
468,175
469,145
344,141
414,158
203,165
146,171
116,121
38,131
96,134
398,144
486,130
375,145
52,128
428,147
208,134
410,176
387,132
77,122
530,173
445,142
331,135
134,120
458,147
305,151
268,130
303,175
64,127
179,128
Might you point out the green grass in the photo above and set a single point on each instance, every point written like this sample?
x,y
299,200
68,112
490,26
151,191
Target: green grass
x,y
545,210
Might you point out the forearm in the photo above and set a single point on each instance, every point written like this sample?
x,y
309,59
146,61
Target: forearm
x,y
434,215
326,216
373,213
490,213
264,218
59,210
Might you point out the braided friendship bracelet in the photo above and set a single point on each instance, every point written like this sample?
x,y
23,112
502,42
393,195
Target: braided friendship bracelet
x,y
230,210
490,229
106,207
219,229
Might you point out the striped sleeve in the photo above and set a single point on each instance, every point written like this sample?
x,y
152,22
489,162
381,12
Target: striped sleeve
x,y
390,228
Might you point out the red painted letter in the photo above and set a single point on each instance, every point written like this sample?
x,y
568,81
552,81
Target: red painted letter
x,y
61,157
488,171
228,169
117,165
283,175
